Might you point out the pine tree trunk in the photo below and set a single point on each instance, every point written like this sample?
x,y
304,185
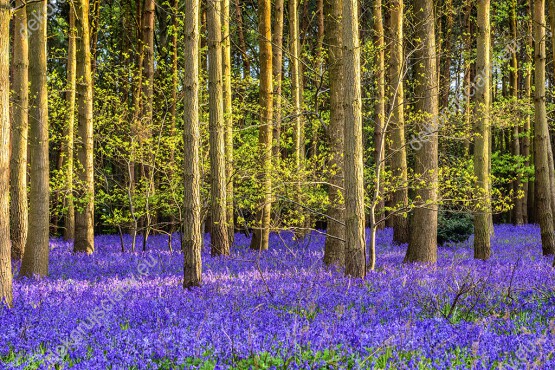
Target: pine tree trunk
x,y
396,97
334,250
482,248
355,240
6,295
541,134
191,237
35,258
228,117
84,214
423,226
261,232
219,230
18,163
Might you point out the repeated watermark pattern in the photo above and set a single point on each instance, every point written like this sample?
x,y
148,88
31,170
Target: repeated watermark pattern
x,y
416,142
97,317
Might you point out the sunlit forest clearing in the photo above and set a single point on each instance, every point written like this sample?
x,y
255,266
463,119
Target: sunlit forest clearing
x,y
277,184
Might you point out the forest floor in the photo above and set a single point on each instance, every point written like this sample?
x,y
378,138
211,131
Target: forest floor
x,y
284,309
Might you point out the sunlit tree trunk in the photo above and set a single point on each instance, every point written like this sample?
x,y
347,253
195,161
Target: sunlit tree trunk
x,y
261,232
84,213
482,248
355,240
218,229
69,225
296,91
423,226
228,118
541,134
191,237
6,295
334,251
18,163
35,258
396,97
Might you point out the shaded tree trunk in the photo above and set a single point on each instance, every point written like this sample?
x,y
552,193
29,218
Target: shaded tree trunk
x,y
423,226
334,250
18,163
541,134
218,209
277,69
261,232
379,126
355,240
35,258
446,54
191,237
242,43
147,114
526,152
397,97
520,204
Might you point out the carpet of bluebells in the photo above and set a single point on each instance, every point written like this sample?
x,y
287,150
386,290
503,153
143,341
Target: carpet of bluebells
x,y
284,309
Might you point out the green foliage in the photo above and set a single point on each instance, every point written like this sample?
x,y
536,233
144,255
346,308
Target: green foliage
x,y
454,227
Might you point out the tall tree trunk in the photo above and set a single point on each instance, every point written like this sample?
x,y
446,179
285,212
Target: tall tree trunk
x,y
296,91
520,204
529,185
228,117
6,295
397,96
423,226
219,230
261,233
541,134
379,126
445,74
334,251
18,163
69,224
147,113
467,40
191,238
84,214
277,69
242,43
482,248
35,258
355,240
